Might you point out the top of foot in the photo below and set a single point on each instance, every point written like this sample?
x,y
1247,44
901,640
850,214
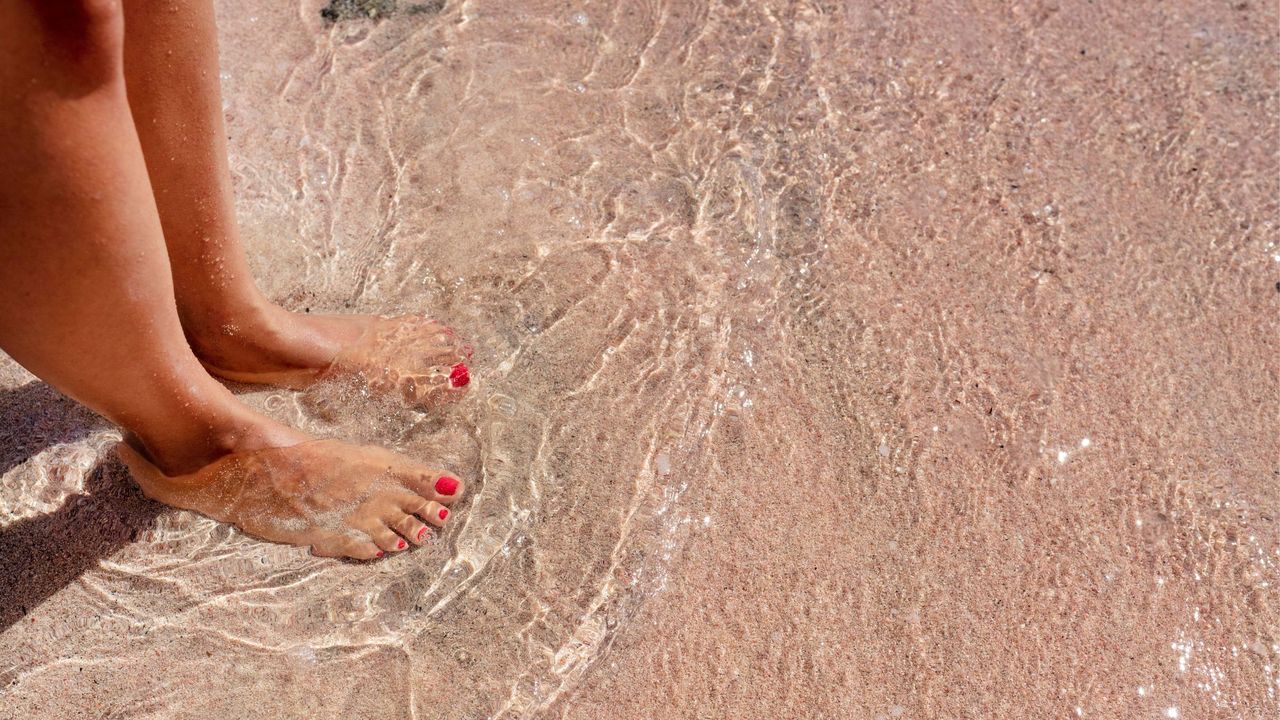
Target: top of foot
x,y
340,499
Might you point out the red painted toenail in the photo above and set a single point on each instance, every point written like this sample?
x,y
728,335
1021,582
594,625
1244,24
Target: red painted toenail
x,y
458,375
422,532
447,485
444,513
380,554
400,544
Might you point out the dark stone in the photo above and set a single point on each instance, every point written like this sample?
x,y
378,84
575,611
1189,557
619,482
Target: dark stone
x,y
340,10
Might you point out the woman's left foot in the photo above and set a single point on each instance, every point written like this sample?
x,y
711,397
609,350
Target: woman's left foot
x,y
421,361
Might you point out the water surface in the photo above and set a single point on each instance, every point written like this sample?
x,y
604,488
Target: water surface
x,y
834,360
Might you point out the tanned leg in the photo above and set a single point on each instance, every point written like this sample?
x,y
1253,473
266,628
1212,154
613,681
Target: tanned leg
x,y
86,299
171,71
87,304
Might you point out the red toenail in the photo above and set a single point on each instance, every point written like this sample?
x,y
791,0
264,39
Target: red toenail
x,y
380,554
447,485
400,544
422,532
458,375
444,513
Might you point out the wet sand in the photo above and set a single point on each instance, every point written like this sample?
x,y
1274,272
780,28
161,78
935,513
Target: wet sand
x,y
834,360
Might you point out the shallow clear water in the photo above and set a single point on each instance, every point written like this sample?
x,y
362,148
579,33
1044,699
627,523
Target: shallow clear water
x,y
863,360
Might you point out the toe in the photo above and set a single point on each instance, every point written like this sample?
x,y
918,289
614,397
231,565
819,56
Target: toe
x,y
346,546
445,383
427,482
443,488
424,392
435,513
410,528
387,539
459,375
384,537
430,511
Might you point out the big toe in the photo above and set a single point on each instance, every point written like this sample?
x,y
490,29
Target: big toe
x,y
444,488
429,483
441,385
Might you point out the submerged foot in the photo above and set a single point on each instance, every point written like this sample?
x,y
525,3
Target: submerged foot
x,y
420,361
340,499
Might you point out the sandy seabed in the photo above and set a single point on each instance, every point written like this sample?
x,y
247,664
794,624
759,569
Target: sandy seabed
x,y
835,360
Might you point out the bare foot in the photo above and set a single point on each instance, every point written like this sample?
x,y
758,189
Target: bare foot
x,y
340,499
419,360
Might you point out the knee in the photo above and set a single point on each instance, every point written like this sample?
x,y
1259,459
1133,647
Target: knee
x,y
79,18
84,37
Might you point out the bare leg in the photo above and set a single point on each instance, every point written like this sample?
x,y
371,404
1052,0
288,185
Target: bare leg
x,y
87,304
171,71
87,298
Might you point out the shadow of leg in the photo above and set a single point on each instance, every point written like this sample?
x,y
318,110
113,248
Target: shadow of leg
x,y
41,555
34,417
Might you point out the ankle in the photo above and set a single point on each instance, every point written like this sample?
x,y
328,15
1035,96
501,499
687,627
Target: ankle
x,y
210,322
255,335
189,444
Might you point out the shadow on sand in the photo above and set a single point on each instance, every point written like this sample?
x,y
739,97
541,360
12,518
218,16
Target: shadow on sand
x,y
41,555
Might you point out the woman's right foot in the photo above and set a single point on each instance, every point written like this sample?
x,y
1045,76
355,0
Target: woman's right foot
x,y
342,500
